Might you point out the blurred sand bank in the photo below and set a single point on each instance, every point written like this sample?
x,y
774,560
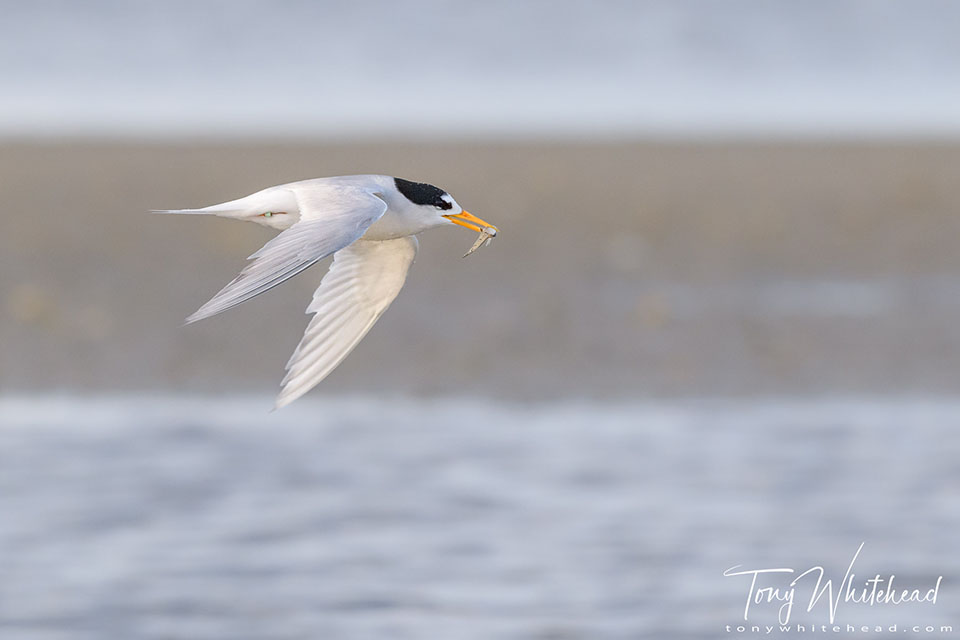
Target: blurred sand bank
x,y
621,270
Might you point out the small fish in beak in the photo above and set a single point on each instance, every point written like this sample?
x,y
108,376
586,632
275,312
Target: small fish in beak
x,y
486,235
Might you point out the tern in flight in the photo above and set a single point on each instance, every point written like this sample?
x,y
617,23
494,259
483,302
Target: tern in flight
x,y
369,224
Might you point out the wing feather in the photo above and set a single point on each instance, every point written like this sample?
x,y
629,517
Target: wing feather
x,y
329,221
363,280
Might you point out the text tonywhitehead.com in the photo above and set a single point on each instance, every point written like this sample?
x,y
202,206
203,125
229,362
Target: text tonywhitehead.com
x,y
825,628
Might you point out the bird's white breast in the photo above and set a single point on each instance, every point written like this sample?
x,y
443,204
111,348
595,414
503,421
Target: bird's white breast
x,y
394,224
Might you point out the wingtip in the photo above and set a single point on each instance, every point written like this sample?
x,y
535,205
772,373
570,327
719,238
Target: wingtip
x,y
195,317
202,313
286,396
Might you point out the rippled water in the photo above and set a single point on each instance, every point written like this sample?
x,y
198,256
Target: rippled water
x,y
172,517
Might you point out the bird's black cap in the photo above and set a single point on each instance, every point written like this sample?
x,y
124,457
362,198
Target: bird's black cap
x,y
422,193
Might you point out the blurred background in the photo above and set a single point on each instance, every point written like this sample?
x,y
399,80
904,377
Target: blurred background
x,y
720,325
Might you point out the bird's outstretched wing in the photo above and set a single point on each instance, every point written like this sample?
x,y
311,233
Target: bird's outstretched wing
x,y
328,222
363,280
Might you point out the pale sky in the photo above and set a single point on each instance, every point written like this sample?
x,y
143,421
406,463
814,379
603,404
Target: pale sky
x,y
441,67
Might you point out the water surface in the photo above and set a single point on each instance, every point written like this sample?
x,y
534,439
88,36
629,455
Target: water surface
x,y
364,517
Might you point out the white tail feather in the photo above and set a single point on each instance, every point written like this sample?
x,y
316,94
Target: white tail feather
x,y
272,199
182,211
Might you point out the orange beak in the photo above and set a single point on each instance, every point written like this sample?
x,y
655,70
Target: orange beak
x,y
471,222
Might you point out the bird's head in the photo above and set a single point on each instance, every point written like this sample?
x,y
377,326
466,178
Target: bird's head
x,y
435,207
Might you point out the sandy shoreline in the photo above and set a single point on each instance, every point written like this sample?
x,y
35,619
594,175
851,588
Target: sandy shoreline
x,y
621,271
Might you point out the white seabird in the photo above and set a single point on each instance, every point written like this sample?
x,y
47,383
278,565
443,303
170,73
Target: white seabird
x,y
369,223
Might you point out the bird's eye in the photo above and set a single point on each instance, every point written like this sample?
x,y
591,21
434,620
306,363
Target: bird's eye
x,y
270,214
